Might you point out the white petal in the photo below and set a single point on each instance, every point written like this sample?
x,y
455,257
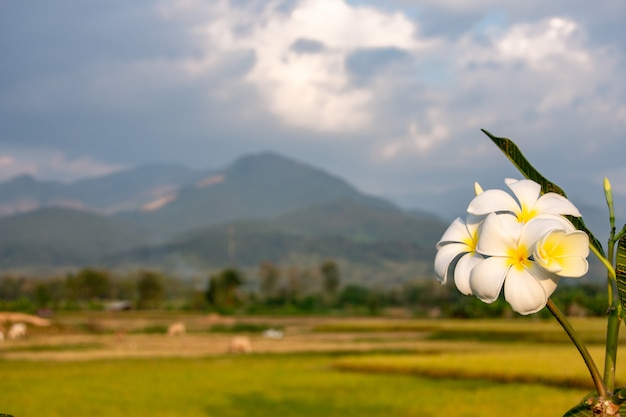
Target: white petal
x,y
573,267
526,191
538,228
576,244
544,223
491,201
549,264
545,246
524,292
534,231
498,234
564,254
463,270
546,279
553,203
456,232
487,277
445,255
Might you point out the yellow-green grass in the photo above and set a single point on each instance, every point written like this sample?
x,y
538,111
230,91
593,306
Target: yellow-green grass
x,y
558,365
257,385
592,330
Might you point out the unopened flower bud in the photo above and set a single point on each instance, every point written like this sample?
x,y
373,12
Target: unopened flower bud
x,y
477,188
608,192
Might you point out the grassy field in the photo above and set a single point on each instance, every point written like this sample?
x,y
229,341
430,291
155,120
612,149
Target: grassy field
x,y
322,367
262,385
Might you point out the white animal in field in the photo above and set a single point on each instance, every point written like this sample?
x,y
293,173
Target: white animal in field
x,y
273,334
176,329
240,344
17,331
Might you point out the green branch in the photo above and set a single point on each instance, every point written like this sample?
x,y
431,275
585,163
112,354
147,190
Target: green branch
x,y
604,261
580,345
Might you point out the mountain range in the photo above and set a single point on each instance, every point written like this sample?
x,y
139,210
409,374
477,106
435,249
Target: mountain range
x,y
262,207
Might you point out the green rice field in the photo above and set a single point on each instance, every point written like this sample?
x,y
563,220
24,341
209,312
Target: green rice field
x,y
322,367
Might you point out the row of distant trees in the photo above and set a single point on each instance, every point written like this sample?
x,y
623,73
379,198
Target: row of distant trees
x,y
269,289
88,288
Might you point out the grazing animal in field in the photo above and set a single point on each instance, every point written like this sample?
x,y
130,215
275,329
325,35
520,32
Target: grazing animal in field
x,y
273,334
240,344
17,331
176,329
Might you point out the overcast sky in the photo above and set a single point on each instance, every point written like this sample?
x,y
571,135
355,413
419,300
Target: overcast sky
x,y
390,95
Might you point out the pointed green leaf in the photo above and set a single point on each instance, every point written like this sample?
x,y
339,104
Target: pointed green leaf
x,y
581,410
510,149
620,270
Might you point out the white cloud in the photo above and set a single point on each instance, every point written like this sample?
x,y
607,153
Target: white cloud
x,y
537,68
544,61
81,167
407,88
11,167
309,89
541,83
6,161
515,75
48,164
418,139
546,46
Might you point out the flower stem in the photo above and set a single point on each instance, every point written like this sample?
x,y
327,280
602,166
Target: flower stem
x,y
612,335
605,262
614,312
591,366
611,275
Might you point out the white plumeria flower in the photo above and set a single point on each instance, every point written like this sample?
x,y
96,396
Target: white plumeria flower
x,y
530,203
527,259
563,253
458,244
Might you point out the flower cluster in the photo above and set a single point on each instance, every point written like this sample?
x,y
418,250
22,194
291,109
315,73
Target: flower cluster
x,y
523,243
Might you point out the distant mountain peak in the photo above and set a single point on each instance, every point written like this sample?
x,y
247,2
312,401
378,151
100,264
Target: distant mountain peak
x,y
265,159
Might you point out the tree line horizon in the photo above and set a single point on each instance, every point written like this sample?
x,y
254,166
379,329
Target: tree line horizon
x,y
271,289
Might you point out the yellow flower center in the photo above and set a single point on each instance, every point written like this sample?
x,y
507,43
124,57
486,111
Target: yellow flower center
x,y
519,257
471,242
526,214
551,248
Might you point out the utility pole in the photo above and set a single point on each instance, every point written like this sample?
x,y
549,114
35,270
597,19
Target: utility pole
x,y
232,247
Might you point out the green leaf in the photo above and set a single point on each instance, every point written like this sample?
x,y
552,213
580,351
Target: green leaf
x,y
620,270
510,149
583,409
